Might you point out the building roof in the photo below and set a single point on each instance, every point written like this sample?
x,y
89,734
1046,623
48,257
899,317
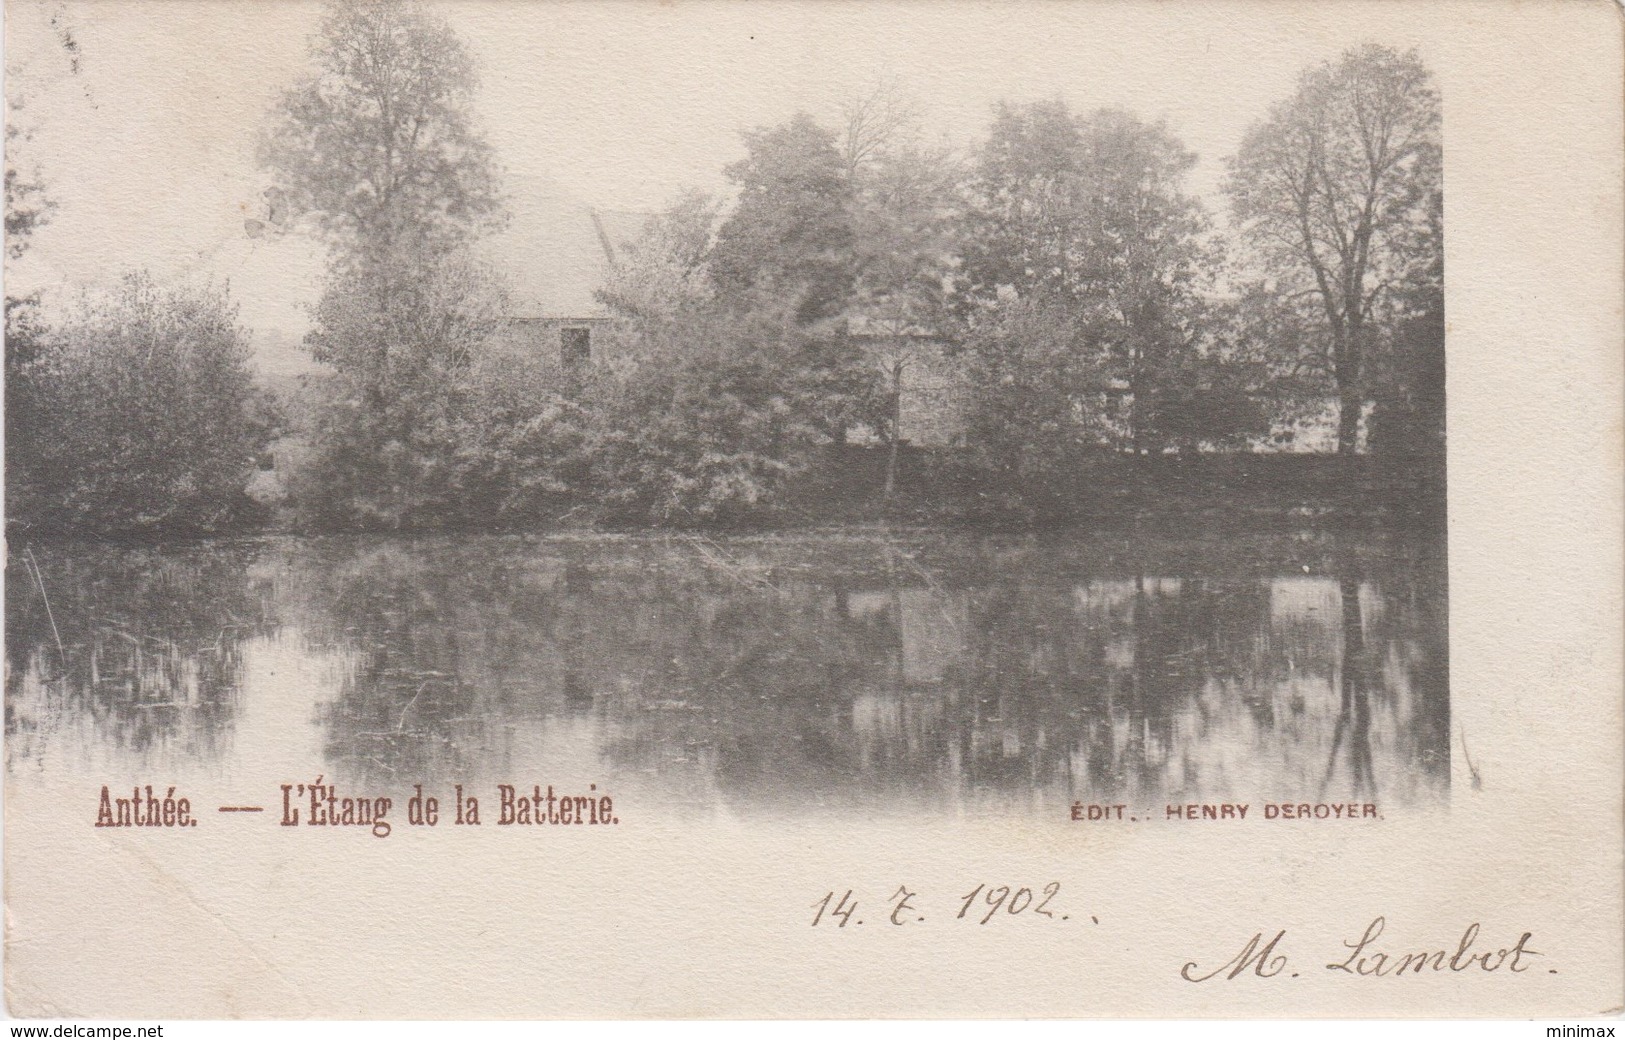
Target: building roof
x,y
618,227
555,252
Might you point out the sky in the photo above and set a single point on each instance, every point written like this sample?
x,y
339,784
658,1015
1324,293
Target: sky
x,y
148,148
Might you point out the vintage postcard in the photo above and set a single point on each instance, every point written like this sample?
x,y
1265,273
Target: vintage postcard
x,y
705,509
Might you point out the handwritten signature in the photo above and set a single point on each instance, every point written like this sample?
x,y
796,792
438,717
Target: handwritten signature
x,y
1370,958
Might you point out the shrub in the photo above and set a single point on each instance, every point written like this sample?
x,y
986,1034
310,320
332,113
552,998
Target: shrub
x,y
136,416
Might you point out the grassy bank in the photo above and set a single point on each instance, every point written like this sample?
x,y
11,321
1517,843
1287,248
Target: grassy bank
x,y
945,487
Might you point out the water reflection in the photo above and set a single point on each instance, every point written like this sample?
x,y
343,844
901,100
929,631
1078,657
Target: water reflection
x,y
873,673
132,656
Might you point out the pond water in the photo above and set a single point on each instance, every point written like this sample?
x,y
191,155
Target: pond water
x,y
853,672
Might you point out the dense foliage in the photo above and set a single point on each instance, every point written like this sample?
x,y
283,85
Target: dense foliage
x,y
135,415
1070,298
1337,191
715,411
377,148
377,145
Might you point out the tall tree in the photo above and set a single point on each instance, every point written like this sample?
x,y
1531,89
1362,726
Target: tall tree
x,y
787,254
1089,215
790,237
875,125
378,143
902,203
1027,186
378,148
1334,189
905,201
1149,262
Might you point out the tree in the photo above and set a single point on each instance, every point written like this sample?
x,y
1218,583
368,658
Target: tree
x,y
440,313
1033,371
1026,187
718,408
904,208
665,270
141,416
378,144
1409,419
27,208
1280,342
903,213
786,254
1087,217
715,390
396,431
379,147
876,125
790,237
1333,189
1150,261
27,204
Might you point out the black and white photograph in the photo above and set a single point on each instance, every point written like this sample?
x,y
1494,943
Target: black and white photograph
x,y
429,417
893,450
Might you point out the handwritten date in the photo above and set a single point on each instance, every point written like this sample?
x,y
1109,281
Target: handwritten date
x,y
982,904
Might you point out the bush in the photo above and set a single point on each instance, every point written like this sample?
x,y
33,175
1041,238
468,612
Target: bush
x,y
492,444
137,416
709,414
